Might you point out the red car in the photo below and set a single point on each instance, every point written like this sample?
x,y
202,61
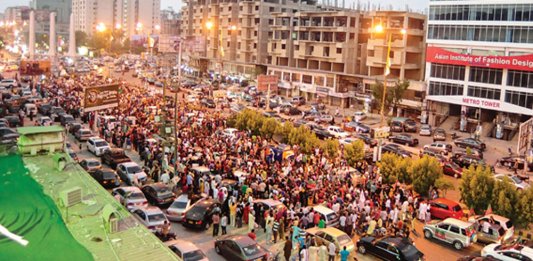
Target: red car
x,y
442,208
452,169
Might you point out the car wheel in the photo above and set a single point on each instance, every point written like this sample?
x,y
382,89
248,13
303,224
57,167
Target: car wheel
x,y
457,245
427,234
217,249
361,249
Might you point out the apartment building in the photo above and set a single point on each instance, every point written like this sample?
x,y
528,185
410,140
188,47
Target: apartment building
x,y
17,14
336,56
480,65
234,33
131,16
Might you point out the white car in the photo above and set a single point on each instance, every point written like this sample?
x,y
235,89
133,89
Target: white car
x,y
186,250
8,83
347,141
337,132
192,98
229,132
44,121
130,197
516,181
127,170
177,209
359,115
439,147
97,146
425,130
508,252
152,217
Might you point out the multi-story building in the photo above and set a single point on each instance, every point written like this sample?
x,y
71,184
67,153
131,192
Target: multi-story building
x,y
170,22
234,33
62,8
480,65
17,14
334,55
131,16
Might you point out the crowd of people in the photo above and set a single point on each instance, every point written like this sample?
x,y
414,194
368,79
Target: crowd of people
x,y
360,200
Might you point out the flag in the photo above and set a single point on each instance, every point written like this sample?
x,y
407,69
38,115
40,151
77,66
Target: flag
x,y
221,46
388,62
489,210
151,42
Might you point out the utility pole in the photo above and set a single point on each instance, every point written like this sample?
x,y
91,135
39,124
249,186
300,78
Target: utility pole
x,y
176,109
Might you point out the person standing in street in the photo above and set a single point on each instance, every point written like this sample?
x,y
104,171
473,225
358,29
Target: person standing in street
x,y
344,254
224,224
331,251
216,222
287,248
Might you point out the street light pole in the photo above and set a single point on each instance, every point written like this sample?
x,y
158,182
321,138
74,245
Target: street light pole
x,y
176,110
387,71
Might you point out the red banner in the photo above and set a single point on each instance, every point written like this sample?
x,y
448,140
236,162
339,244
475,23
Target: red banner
x,y
439,55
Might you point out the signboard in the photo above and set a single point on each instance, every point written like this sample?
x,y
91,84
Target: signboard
x,y
35,67
263,81
382,132
481,103
439,55
322,91
524,135
169,44
101,97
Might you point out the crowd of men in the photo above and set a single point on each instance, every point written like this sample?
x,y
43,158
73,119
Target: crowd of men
x,y
364,205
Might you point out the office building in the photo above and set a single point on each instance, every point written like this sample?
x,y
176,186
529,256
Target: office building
x,y
480,66
170,22
62,8
17,14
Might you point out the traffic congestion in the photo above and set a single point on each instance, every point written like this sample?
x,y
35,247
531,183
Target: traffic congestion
x,y
173,155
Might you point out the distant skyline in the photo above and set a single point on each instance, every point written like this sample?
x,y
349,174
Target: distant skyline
x,y
415,5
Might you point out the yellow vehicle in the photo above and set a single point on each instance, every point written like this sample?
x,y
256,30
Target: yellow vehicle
x,y
331,234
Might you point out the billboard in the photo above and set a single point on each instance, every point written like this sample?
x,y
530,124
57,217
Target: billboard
x,y
169,44
101,97
519,62
35,67
264,81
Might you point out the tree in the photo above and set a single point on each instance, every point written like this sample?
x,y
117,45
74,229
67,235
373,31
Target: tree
x,y
2,44
397,93
377,93
476,188
270,125
354,152
525,208
331,147
425,172
444,185
389,167
101,40
504,199
404,174
303,137
284,130
81,38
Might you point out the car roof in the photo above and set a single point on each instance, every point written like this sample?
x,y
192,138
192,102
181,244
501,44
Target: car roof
x,y
322,209
182,198
129,164
131,189
182,245
241,240
445,201
456,222
158,186
335,232
495,217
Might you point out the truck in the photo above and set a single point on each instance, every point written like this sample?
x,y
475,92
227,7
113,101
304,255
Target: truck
x,y
114,156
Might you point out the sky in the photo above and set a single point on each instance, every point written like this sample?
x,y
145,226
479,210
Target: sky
x,y
416,5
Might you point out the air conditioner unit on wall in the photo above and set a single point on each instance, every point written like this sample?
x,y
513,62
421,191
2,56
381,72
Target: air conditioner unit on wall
x,y
71,197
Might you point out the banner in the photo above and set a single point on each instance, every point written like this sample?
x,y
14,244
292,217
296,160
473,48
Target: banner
x,y
439,55
35,67
101,97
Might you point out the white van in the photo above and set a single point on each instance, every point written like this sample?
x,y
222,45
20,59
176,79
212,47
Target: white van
x,y
331,218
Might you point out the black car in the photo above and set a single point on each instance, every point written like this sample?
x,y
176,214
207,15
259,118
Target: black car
x,y
106,177
367,140
44,108
158,194
432,153
199,215
389,248
322,133
66,119
470,143
209,103
465,161
13,121
395,149
292,111
114,156
405,139
509,162
396,126
8,136
74,127
240,248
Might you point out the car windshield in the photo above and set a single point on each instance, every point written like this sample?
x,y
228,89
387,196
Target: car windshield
x,y
179,204
344,240
109,175
101,144
197,210
163,192
194,255
456,208
516,179
93,164
331,216
134,169
251,250
156,217
509,224
136,195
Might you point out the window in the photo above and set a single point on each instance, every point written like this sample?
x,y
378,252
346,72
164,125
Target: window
x,y
522,99
283,46
486,75
445,71
454,229
520,79
485,93
443,88
339,50
307,79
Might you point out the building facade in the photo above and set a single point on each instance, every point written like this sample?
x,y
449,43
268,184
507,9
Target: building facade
x,y
170,22
480,65
62,8
17,14
131,16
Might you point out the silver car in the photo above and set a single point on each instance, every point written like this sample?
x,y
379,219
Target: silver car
x,y
130,197
186,250
459,233
152,217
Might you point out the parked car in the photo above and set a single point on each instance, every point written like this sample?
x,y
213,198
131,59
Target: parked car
x,y
13,121
240,248
470,143
271,204
367,140
433,153
409,125
44,108
90,165
465,161
97,145
83,134
199,215
396,126
114,156
452,169
8,136
298,100
389,248
405,139
322,133
509,162
8,83
130,171
395,149
499,230
459,233
208,102
44,121
151,217
186,250
514,252
337,132
130,197
158,194
73,127
176,210
443,208
439,135
425,130
108,178
359,116
324,118
65,119
462,152
331,235
442,148
517,182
